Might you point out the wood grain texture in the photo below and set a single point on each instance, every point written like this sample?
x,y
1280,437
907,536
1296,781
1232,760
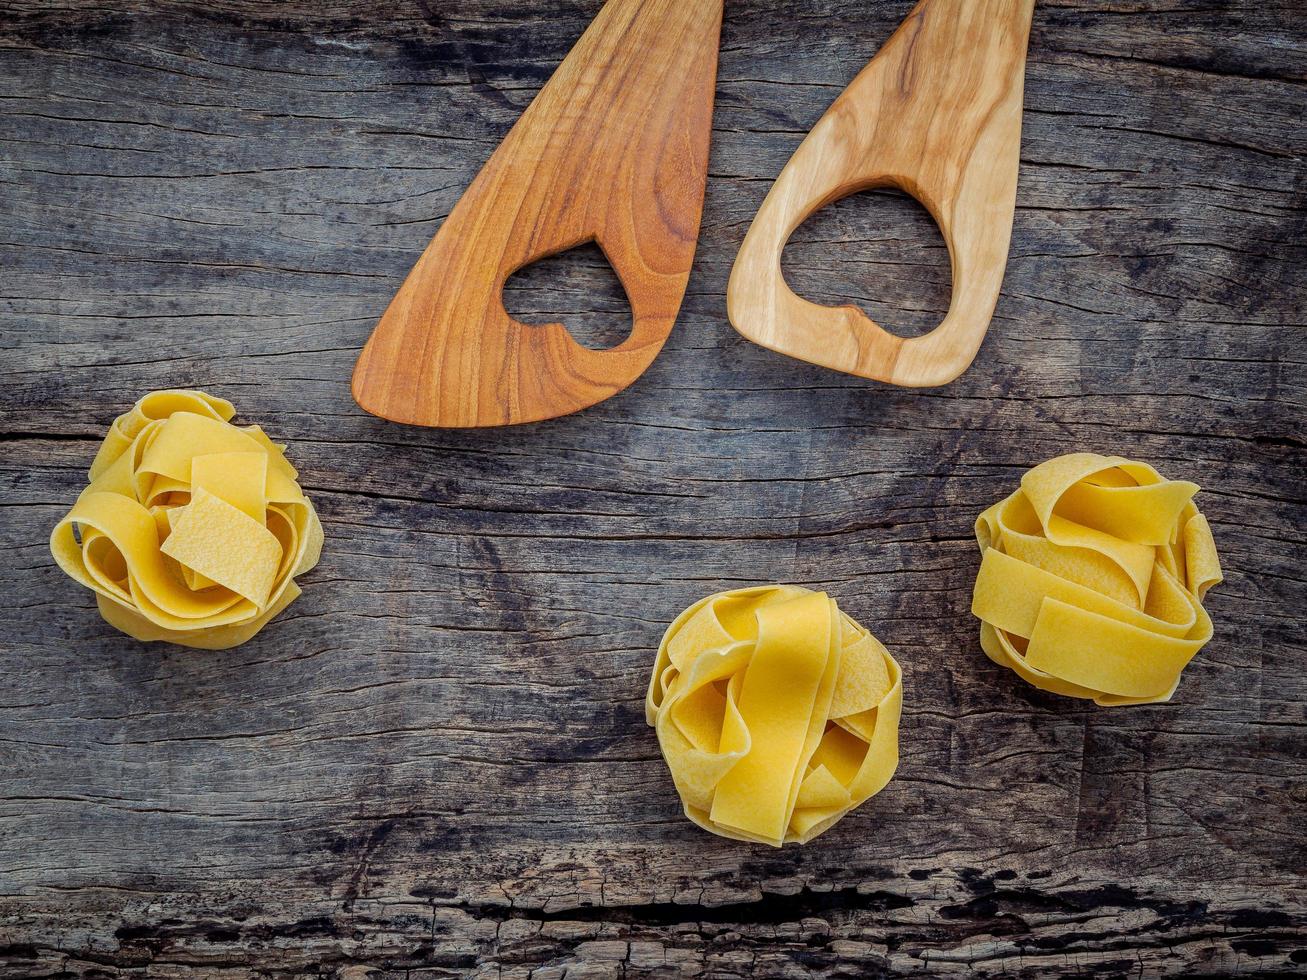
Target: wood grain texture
x,y
937,113
614,151
435,765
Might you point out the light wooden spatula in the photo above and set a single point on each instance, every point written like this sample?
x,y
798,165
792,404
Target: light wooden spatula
x,y
613,150
937,114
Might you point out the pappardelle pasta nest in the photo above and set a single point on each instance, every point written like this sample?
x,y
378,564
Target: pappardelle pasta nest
x,y
192,529
1093,579
776,712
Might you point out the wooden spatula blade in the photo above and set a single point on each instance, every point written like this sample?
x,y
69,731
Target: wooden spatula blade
x,y
937,113
613,150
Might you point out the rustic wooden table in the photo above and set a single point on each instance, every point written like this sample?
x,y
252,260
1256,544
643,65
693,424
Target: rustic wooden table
x,y
436,763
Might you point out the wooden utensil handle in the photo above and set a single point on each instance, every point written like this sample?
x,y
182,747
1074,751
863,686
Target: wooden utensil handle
x,y
936,114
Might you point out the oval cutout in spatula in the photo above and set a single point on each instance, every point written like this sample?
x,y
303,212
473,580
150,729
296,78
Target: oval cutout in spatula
x,y
613,150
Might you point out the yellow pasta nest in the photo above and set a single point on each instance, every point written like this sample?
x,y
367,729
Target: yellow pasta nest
x,y
777,714
1092,579
192,529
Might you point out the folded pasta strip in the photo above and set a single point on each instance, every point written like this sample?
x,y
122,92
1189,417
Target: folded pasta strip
x,y
1092,579
777,713
192,529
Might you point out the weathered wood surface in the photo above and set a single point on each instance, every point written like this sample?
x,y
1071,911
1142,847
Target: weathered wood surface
x,y
435,764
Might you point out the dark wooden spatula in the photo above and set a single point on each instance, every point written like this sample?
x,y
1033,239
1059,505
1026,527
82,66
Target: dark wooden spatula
x,y
613,150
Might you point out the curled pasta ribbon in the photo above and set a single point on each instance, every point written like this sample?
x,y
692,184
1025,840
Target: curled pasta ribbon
x,y
777,714
1093,577
192,529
